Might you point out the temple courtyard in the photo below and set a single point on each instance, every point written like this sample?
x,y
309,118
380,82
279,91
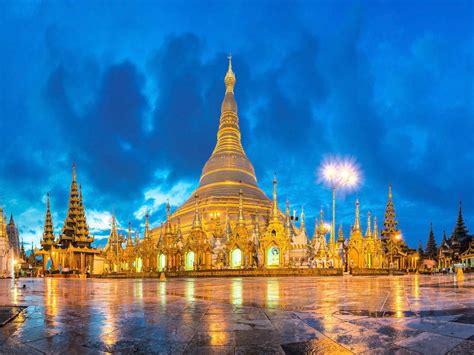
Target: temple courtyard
x,y
293,315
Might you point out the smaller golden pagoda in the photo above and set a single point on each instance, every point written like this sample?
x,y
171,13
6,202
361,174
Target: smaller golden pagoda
x,y
72,252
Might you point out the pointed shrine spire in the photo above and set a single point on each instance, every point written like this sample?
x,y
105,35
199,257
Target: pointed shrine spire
x,y
168,218
376,229
129,234
74,171
147,225
316,229
302,225
357,217
390,223
275,201
228,227
48,233
197,218
460,230
368,232
340,237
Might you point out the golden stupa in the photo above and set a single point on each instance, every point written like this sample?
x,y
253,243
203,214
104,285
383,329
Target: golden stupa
x,y
226,173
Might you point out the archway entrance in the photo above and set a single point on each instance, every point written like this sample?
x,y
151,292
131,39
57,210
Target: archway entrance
x,y
190,260
273,257
236,258
161,262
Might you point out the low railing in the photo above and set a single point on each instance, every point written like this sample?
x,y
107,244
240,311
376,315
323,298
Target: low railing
x,y
230,273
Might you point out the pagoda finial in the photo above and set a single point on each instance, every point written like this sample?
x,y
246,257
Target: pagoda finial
x,y
390,191
74,171
229,77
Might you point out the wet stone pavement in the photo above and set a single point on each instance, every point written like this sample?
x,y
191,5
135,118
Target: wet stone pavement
x,y
293,315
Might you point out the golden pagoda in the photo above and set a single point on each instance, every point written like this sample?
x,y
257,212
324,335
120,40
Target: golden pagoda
x,y
72,252
228,221
226,173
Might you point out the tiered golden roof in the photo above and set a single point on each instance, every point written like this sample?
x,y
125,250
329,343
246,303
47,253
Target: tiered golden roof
x,y
48,233
75,229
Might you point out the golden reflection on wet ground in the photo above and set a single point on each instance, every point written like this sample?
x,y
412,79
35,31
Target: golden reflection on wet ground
x,y
415,313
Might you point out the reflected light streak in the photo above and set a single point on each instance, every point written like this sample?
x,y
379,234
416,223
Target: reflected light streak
x,y
189,290
236,295
273,294
162,293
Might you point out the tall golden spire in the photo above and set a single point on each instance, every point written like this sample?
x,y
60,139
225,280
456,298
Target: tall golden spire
x,y
228,227
147,226
197,218
321,221
82,230
275,202
357,219
302,225
168,230
68,233
228,160
368,232
316,230
113,237
48,233
376,229
129,234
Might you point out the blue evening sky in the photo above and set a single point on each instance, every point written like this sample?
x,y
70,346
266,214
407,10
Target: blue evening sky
x,y
131,91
